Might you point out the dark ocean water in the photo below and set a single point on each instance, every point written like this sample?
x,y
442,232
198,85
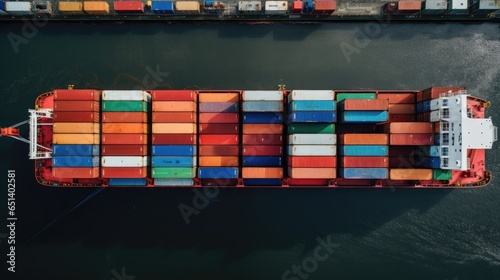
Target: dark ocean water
x,y
251,233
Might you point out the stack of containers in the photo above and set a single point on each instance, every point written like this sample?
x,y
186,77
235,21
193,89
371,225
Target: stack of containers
x,y
262,138
363,156
124,136
312,140
401,106
174,137
218,138
356,109
75,139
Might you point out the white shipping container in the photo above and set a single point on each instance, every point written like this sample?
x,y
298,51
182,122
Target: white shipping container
x,y
311,95
262,95
173,182
489,5
458,5
435,116
312,150
124,161
435,104
249,6
128,95
312,139
276,7
19,8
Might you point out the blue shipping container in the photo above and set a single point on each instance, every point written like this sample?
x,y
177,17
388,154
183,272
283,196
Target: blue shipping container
x,y
308,6
431,151
174,150
127,181
262,182
2,8
75,150
437,138
312,105
160,161
217,172
209,3
420,107
363,173
163,7
312,116
262,106
272,117
363,116
173,182
75,161
363,150
432,162
262,161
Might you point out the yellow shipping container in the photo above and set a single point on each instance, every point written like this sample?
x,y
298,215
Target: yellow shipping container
x,y
174,128
59,127
96,7
70,7
68,138
410,174
191,7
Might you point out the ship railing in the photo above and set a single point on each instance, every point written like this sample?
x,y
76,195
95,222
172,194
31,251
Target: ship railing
x,y
495,133
34,153
453,93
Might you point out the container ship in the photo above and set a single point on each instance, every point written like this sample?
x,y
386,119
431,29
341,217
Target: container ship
x,y
432,138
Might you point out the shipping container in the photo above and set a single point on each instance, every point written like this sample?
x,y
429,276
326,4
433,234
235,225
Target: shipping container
x,y
121,138
402,161
134,128
262,95
76,94
276,7
440,174
174,128
312,173
218,128
364,139
249,6
218,97
70,7
355,95
312,150
166,161
410,174
409,6
124,172
412,139
407,127
219,107
435,6
401,118
297,7
173,150
174,106
363,150
436,127
75,161
187,7
81,117
218,117
432,162
363,173
75,138
174,139
217,172
96,7
75,150
124,161
363,116
262,106
172,95
221,139
312,139
259,172
311,128
174,117
262,182
435,116
123,7
431,151
364,161
124,150
261,150
71,127
311,95
136,182
396,151
218,161
402,109
126,95
19,7
312,117
363,105
173,182
398,98
75,172
173,172
218,150
263,117
325,6
262,161
437,138
124,117
124,106
262,139
162,8
314,161
312,105
2,8
76,106
249,128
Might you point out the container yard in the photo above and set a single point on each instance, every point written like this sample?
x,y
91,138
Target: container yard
x,y
253,11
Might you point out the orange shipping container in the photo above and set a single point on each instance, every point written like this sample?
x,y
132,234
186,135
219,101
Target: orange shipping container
x,y
174,106
70,7
174,117
262,128
417,139
408,127
96,7
312,173
75,172
119,138
218,97
125,117
174,128
364,104
402,109
437,127
135,128
364,139
410,5
410,174
68,138
68,127
262,172
76,94
398,98
218,161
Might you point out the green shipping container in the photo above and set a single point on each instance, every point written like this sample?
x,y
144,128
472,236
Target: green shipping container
x,y
441,174
311,128
124,106
173,172
355,95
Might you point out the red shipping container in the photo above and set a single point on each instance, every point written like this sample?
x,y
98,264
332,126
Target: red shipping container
x,y
420,96
325,6
119,138
124,150
398,98
75,172
434,92
174,117
262,128
128,6
125,117
124,172
412,139
402,118
222,139
262,150
76,94
408,127
218,128
218,150
402,109
262,139
75,117
297,6
76,106
364,162
314,161
174,139
365,104
363,139
173,95
409,5
218,117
